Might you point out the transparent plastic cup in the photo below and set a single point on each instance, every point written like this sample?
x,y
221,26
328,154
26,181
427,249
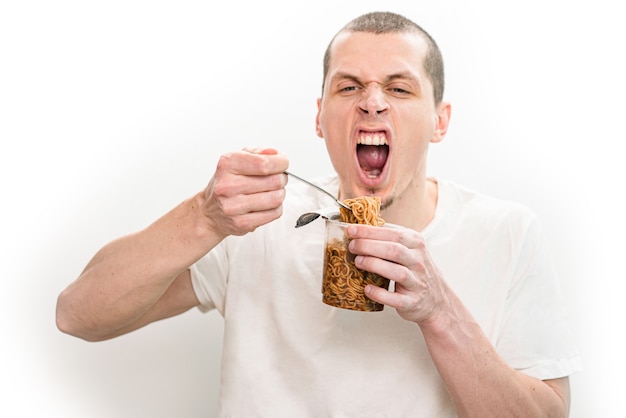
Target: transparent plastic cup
x,y
343,284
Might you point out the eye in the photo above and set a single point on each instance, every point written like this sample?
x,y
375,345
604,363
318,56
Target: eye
x,y
348,89
398,90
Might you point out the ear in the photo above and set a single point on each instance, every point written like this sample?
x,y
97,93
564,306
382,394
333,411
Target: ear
x,y
442,122
318,129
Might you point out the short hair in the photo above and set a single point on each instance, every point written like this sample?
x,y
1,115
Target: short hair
x,y
388,22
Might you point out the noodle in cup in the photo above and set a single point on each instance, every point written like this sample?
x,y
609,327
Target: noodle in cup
x,y
343,284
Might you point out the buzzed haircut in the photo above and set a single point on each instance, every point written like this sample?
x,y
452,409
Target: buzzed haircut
x,y
388,22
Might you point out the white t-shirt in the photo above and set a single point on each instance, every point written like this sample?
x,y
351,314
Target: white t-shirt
x,y
287,354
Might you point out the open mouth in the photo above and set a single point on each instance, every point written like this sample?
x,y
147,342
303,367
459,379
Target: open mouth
x,y
372,151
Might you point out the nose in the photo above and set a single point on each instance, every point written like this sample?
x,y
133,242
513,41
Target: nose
x,y
373,101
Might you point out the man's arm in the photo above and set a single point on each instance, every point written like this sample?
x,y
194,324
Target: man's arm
x,y
478,380
476,377
144,276
128,277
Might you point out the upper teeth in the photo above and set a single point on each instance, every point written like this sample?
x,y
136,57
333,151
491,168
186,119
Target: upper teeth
x,y
373,139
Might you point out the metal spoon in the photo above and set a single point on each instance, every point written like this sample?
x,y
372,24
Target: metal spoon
x,y
309,217
339,202
306,218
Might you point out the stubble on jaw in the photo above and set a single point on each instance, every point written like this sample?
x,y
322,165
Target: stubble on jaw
x,y
383,204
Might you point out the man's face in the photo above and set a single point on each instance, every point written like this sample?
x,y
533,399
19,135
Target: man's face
x,y
377,114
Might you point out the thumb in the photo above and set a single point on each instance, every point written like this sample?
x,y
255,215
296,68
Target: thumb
x,y
261,151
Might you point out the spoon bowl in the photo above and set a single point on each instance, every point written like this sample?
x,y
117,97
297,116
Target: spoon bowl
x,y
306,218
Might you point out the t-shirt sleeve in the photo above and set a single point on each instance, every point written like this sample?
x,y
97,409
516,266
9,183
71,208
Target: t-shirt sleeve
x,y
535,315
209,277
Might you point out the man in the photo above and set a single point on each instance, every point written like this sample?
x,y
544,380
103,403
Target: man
x,y
473,326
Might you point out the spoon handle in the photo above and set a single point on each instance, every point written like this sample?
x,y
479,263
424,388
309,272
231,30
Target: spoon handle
x,y
339,202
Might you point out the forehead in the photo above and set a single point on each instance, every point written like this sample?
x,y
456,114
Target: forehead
x,y
370,54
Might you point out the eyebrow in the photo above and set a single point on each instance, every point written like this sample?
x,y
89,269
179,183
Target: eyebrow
x,y
404,75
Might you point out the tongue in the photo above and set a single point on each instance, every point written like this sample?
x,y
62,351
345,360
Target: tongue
x,y
372,157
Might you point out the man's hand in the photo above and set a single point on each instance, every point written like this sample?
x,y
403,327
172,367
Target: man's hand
x,y
246,191
400,254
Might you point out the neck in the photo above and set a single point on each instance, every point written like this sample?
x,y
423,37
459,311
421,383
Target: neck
x,y
414,210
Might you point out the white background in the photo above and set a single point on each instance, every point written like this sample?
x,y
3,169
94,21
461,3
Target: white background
x,y
113,112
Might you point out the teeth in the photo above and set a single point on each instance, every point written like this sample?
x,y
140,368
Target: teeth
x,y
376,138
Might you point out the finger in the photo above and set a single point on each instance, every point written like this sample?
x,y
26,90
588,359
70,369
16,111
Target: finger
x,y
385,250
387,298
242,224
250,185
260,150
252,203
268,151
254,164
394,233
388,269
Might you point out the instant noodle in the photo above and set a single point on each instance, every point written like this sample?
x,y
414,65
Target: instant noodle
x,y
343,284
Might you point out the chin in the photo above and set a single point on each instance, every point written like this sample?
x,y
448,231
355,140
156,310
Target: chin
x,y
386,203
385,200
